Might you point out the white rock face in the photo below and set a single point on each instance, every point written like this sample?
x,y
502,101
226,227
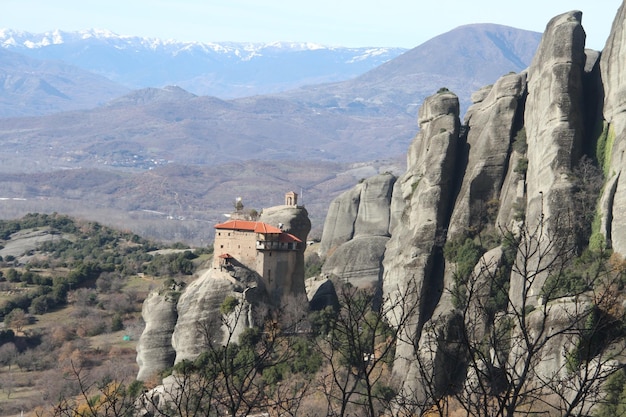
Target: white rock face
x,y
199,317
154,350
553,119
413,258
491,124
614,81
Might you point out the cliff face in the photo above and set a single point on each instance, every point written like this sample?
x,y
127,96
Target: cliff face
x,y
614,111
515,167
154,350
491,121
423,198
357,229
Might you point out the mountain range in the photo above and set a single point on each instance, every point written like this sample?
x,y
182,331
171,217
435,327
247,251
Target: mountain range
x,y
368,120
225,70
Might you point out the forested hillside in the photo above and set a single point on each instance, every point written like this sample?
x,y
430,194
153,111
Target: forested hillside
x,y
70,296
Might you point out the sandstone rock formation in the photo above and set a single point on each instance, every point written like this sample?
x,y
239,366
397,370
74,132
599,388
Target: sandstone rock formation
x,y
553,119
427,191
154,350
614,82
199,317
360,211
492,121
356,231
358,261
511,169
508,175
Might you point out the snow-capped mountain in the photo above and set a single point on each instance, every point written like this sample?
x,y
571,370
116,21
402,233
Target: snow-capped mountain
x,y
225,69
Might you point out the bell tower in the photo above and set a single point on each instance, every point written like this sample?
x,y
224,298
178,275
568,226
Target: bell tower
x,y
291,199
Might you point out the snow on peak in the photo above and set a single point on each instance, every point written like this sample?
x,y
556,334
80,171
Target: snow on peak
x,y
13,39
20,39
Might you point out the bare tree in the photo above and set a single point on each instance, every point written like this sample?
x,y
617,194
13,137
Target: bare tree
x,y
16,319
544,353
8,354
239,372
359,350
101,397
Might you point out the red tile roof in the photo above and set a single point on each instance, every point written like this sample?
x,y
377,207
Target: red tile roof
x,y
257,227
288,238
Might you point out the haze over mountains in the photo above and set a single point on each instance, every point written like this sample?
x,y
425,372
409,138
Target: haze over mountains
x,y
225,70
367,118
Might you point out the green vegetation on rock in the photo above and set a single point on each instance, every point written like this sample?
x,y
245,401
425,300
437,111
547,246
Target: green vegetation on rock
x,y
604,148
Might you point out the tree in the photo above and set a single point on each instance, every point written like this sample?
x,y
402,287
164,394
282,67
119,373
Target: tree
x,y
100,397
8,354
7,384
359,350
16,319
237,374
547,353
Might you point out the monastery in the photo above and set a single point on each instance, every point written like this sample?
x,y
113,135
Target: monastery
x,y
260,247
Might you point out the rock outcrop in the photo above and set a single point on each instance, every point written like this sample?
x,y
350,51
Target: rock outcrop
x,y
614,82
356,232
464,242
154,350
414,269
510,172
492,121
360,211
553,119
358,261
340,218
199,317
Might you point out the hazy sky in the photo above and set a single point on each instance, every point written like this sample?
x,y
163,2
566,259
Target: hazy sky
x,y
405,23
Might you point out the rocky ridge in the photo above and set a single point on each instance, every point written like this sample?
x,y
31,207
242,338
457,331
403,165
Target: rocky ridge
x,y
512,166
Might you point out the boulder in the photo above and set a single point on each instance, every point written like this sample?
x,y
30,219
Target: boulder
x,y
321,293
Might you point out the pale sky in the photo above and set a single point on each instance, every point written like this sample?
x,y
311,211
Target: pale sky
x,y
402,23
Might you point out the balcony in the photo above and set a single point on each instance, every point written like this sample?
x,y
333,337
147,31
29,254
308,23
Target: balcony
x,y
273,245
